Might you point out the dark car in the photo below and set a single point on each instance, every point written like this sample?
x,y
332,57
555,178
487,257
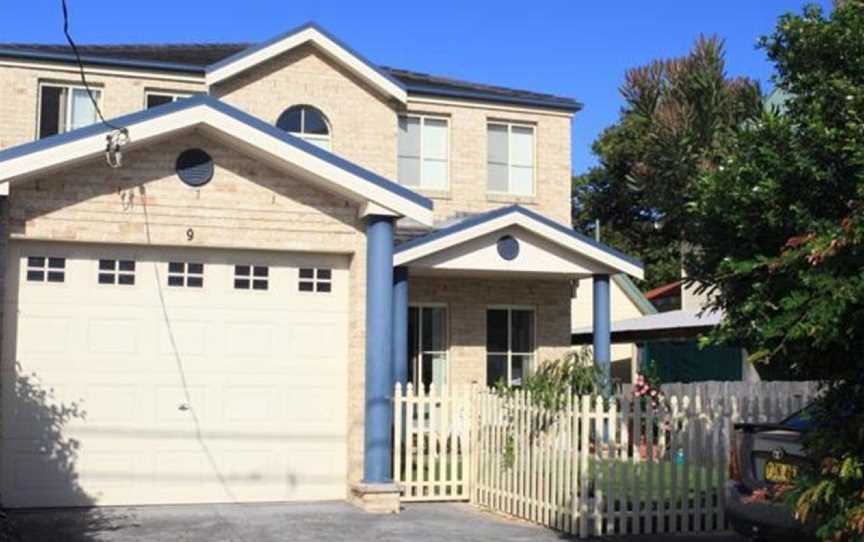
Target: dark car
x,y
764,458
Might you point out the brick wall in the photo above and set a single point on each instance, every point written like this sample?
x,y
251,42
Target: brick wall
x,y
467,300
19,91
246,205
362,123
468,173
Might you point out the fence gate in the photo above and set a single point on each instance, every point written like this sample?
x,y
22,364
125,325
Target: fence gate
x,y
432,450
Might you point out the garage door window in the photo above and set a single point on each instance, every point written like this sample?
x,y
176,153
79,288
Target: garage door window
x,y
251,277
117,272
316,279
46,269
185,274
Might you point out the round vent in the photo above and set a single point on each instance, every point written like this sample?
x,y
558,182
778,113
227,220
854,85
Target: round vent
x,y
508,247
194,167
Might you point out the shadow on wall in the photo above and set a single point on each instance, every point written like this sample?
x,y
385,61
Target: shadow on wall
x,y
43,418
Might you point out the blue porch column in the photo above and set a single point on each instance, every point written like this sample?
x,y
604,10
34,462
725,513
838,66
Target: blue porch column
x,y
400,325
379,348
602,329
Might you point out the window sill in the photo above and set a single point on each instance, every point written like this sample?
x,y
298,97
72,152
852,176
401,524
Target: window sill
x,y
507,198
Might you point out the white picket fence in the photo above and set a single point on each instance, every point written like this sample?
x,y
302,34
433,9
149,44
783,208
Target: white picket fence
x,y
589,467
432,448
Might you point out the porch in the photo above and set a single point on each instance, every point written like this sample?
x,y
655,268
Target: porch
x,y
481,301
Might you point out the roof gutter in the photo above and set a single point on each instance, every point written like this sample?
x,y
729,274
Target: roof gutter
x,y
104,61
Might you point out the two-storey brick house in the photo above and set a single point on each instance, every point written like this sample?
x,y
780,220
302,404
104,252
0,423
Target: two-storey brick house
x,y
292,230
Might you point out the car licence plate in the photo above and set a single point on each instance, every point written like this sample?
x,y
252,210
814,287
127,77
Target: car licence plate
x,y
780,472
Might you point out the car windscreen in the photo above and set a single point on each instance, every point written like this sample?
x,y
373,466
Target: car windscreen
x,y
801,420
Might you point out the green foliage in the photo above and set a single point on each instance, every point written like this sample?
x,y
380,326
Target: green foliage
x,y
675,125
780,231
549,386
551,383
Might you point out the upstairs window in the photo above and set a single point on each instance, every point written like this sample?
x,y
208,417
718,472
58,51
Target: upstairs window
x,y
424,150
65,107
510,159
308,123
156,98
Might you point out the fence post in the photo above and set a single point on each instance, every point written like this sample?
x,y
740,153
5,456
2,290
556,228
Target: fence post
x,y
398,403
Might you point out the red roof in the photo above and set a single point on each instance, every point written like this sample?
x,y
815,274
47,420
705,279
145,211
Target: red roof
x,y
667,290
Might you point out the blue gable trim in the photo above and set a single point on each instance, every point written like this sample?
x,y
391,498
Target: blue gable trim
x,y
98,128
306,26
497,213
103,61
550,103
213,103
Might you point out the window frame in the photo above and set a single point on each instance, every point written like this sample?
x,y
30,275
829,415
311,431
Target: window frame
x,y
417,359
312,139
315,280
116,272
175,95
423,117
510,353
185,274
251,278
67,121
45,269
510,125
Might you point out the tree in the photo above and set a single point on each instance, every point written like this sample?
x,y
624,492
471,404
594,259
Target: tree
x,y
780,226
677,117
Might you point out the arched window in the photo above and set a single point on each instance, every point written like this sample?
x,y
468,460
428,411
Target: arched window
x,y
306,122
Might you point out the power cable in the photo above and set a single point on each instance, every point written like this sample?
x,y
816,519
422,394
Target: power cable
x,y
119,135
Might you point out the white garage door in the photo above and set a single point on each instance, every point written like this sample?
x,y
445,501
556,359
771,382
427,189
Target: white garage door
x,y
149,376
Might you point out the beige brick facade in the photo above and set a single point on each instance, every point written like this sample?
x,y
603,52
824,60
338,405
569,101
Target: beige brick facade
x,y
468,173
251,206
467,300
362,124
121,94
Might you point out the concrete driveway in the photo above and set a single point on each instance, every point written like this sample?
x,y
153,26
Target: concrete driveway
x,y
334,521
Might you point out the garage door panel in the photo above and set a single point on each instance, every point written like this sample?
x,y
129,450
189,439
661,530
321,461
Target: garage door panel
x,y
156,394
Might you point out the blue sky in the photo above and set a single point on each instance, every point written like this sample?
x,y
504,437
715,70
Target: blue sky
x,y
566,47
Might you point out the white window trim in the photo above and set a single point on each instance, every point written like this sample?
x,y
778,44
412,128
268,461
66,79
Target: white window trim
x,y
314,137
175,95
510,125
510,353
251,278
423,118
421,352
59,84
116,271
315,281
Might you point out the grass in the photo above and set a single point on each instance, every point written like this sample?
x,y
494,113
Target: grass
x,y
638,481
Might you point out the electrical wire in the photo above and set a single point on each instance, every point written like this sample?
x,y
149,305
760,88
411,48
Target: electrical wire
x,y
119,137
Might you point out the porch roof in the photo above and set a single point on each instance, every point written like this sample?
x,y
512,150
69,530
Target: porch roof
x,y
550,247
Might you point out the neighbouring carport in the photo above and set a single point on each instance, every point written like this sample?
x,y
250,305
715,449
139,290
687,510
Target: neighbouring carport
x,y
670,339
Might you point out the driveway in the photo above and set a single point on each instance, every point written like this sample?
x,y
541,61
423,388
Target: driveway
x,y
332,521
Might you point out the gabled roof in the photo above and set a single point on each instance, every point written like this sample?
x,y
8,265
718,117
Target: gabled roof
x,y
194,59
673,289
309,33
515,215
241,129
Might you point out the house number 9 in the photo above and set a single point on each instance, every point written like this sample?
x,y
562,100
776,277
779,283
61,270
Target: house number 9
x,y
190,234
